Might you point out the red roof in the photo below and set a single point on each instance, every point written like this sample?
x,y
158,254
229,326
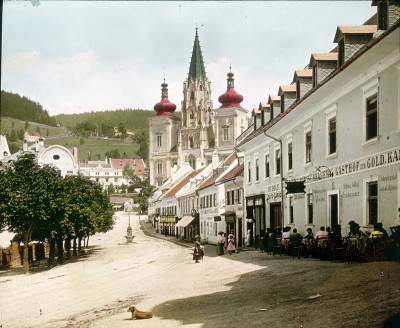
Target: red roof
x,y
164,107
211,179
136,164
232,173
181,184
230,98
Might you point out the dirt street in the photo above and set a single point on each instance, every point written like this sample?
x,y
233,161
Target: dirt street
x,y
250,289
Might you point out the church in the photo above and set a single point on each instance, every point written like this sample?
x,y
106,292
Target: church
x,y
201,132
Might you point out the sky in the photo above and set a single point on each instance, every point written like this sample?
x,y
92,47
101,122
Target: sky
x,y
83,56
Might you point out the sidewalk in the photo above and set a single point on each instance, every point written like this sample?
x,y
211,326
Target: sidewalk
x,y
148,229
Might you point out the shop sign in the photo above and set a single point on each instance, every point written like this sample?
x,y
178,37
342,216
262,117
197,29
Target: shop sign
x,y
168,220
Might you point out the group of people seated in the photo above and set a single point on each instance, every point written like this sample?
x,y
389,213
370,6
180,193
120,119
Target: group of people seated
x,y
357,244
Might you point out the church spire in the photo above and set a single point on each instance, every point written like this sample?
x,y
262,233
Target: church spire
x,y
197,70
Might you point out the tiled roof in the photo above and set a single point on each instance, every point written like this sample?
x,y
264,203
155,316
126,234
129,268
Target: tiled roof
x,y
331,76
354,29
255,111
33,133
119,200
302,73
272,98
103,166
136,164
264,104
287,88
214,176
180,184
325,56
232,173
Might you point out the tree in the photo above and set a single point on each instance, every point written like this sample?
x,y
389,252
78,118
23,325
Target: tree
x,y
27,199
81,141
26,125
122,130
38,129
111,188
142,137
47,132
13,136
20,134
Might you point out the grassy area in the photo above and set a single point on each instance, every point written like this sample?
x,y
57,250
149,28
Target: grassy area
x,y
96,146
6,127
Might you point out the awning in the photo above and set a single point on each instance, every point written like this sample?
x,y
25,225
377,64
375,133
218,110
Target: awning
x,y
184,221
229,213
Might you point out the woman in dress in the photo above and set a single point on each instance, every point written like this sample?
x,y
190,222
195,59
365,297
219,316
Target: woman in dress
x,y
231,245
197,249
221,243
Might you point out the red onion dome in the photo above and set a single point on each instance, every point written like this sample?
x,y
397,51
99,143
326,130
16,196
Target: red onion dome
x,y
230,98
164,107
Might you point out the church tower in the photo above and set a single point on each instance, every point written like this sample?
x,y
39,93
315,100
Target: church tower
x,y
196,138
230,119
163,139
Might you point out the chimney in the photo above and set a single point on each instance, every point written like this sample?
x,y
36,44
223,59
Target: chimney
x,y
25,145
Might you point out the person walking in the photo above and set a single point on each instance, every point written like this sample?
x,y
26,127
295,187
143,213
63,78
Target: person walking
x,y
197,249
231,245
221,243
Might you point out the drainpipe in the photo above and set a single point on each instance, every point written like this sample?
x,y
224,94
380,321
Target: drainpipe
x,y
282,180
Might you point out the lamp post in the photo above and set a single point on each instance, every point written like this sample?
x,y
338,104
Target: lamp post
x,y
281,169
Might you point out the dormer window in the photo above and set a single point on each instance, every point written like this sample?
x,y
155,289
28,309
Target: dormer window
x,y
297,89
282,103
341,53
314,76
382,15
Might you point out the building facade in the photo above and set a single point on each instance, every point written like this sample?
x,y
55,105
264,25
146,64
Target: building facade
x,y
341,138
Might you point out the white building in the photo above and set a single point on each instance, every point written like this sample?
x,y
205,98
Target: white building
x,y
110,171
340,136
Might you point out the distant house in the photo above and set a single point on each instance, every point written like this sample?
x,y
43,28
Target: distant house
x,y
31,136
63,159
4,150
110,171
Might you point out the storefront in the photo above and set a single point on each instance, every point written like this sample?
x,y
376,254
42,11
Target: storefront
x,y
255,206
167,225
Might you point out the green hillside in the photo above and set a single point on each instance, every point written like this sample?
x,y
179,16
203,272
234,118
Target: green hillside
x,y
97,147
23,108
133,119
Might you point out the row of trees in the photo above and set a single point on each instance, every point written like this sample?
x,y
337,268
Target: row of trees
x,y
13,105
105,121
37,203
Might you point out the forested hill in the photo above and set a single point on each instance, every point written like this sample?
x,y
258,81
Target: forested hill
x,y
133,119
13,105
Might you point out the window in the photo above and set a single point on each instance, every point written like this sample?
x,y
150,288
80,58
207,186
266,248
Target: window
x,y
382,15
282,103
215,200
228,201
277,161
372,202
159,140
314,76
225,133
290,156
332,135
308,147
257,170
239,197
159,168
191,143
291,219
372,117
310,213
232,196
341,53
249,171
297,89
266,166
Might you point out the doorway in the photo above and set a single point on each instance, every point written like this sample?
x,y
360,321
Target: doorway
x,y
334,210
275,215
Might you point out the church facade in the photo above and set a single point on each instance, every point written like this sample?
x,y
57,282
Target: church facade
x,y
201,131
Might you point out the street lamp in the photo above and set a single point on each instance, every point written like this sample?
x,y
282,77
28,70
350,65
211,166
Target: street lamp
x,y
281,169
